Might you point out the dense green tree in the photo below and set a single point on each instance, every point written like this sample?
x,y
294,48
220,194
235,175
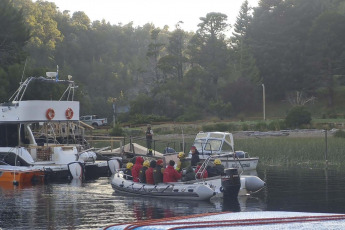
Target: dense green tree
x,y
172,63
278,35
242,61
327,56
211,49
39,18
154,50
14,34
289,45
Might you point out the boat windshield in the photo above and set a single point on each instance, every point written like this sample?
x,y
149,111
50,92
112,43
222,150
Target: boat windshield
x,y
211,145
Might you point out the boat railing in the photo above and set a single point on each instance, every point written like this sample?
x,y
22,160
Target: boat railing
x,y
201,172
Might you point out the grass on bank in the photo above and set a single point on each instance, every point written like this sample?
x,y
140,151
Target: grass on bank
x,y
304,152
287,151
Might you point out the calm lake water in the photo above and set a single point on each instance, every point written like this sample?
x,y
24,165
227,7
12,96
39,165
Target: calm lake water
x,y
94,204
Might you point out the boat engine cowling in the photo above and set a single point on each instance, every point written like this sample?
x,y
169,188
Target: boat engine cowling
x,y
88,156
231,183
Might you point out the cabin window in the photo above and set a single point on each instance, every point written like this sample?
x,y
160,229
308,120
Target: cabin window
x,y
217,135
228,139
8,135
201,135
213,145
226,147
199,144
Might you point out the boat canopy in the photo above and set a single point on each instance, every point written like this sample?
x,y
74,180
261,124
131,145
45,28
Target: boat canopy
x,y
214,142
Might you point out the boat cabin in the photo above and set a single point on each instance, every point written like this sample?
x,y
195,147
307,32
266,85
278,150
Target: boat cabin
x,y
208,143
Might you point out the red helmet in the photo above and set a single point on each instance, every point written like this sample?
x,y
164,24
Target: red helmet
x,y
159,162
193,147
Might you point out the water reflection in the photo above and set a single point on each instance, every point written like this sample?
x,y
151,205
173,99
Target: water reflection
x,y
304,189
154,208
231,205
94,204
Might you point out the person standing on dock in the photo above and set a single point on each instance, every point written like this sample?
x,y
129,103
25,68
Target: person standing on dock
x,y
149,173
136,168
170,174
149,136
158,172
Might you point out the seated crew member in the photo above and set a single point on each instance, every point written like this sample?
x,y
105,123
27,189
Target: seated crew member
x,y
190,174
142,173
158,172
218,168
136,168
128,171
170,173
183,162
149,173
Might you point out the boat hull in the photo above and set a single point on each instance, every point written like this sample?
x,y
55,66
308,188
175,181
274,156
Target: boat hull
x,y
245,164
19,175
176,190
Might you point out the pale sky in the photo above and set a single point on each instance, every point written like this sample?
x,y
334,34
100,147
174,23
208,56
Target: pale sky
x,y
158,12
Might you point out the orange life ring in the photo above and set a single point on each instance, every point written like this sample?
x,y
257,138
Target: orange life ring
x,y
69,113
50,114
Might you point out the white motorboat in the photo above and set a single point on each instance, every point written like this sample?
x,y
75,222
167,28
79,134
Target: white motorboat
x,y
178,190
18,146
221,145
230,184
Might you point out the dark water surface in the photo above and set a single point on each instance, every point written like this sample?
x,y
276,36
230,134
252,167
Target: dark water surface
x,y
93,204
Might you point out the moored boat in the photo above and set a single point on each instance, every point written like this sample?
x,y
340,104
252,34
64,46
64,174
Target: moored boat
x,y
221,145
20,175
18,145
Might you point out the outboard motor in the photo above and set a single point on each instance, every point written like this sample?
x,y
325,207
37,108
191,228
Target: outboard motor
x,y
76,170
231,183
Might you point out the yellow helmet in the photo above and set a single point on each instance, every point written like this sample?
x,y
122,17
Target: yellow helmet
x,y
146,163
180,154
129,165
217,162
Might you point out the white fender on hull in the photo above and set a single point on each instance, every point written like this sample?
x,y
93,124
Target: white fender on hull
x,y
76,170
253,183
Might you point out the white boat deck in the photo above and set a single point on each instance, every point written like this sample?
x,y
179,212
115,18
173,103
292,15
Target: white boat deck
x,y
243,220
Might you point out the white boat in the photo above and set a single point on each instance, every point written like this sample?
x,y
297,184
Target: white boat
x,y
178,190
221,145
229,185
18,146
19,174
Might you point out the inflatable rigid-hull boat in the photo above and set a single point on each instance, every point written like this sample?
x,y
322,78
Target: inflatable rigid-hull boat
x,y
174,190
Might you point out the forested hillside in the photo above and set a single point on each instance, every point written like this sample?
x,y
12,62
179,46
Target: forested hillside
x,y
293,48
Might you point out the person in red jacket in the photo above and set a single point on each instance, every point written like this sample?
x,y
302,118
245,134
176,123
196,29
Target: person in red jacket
x,y
170,174
149,173
136,168
198,175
